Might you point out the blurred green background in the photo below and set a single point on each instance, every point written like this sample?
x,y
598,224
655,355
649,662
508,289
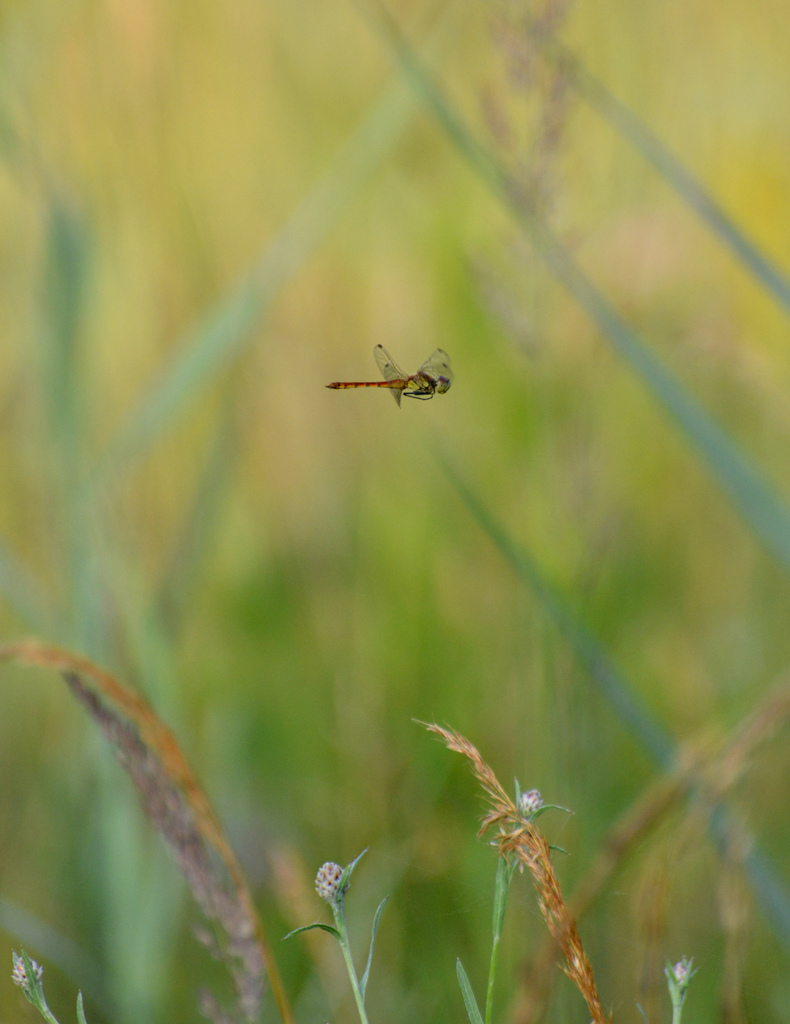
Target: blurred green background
x,y
210,211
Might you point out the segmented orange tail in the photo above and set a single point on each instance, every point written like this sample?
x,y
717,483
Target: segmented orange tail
x,y
397,384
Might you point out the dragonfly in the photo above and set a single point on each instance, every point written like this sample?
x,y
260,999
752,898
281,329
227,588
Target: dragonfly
x,y
434,377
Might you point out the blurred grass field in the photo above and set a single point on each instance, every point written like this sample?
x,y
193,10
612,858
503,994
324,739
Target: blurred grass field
x,y
211,211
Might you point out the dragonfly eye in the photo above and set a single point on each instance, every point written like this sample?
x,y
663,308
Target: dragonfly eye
x,y
443,384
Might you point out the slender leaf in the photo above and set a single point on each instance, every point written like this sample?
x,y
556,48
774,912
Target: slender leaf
x,y
757,502
345,878
470,1002
80,1010
550,807
364,982
310,927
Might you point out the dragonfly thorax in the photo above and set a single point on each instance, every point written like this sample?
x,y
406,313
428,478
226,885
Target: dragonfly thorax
x,y
424,385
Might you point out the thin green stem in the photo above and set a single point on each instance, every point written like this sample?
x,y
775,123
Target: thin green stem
x,y
340,923
503,879
678,997
491,976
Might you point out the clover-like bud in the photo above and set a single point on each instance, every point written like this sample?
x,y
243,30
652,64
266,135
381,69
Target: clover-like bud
x,y
530,802
682,972
19,974
327,881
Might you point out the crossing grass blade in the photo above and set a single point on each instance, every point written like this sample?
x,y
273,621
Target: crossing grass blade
x,y
759,505
643,139
620,694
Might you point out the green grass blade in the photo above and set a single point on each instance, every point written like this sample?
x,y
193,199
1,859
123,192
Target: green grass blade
x,y
65,297
504,876
606,677
757,502
634,130
63,300
226,329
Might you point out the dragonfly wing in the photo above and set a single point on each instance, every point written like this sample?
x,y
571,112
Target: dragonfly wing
x,y
389,368
437,366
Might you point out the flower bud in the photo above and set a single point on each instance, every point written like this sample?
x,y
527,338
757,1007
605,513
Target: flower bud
x,y
327,881
530,802
19,975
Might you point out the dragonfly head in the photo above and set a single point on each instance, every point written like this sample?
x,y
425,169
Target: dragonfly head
x,y
443,384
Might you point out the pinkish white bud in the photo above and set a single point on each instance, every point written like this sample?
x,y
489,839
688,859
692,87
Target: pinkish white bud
x,y
530,802
327,881
19,975
681,971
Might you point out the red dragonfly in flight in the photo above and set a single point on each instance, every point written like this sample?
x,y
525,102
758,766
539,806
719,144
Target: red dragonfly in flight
x,y
434,377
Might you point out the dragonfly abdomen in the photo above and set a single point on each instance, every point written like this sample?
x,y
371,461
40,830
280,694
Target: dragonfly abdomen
x,y
397,384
